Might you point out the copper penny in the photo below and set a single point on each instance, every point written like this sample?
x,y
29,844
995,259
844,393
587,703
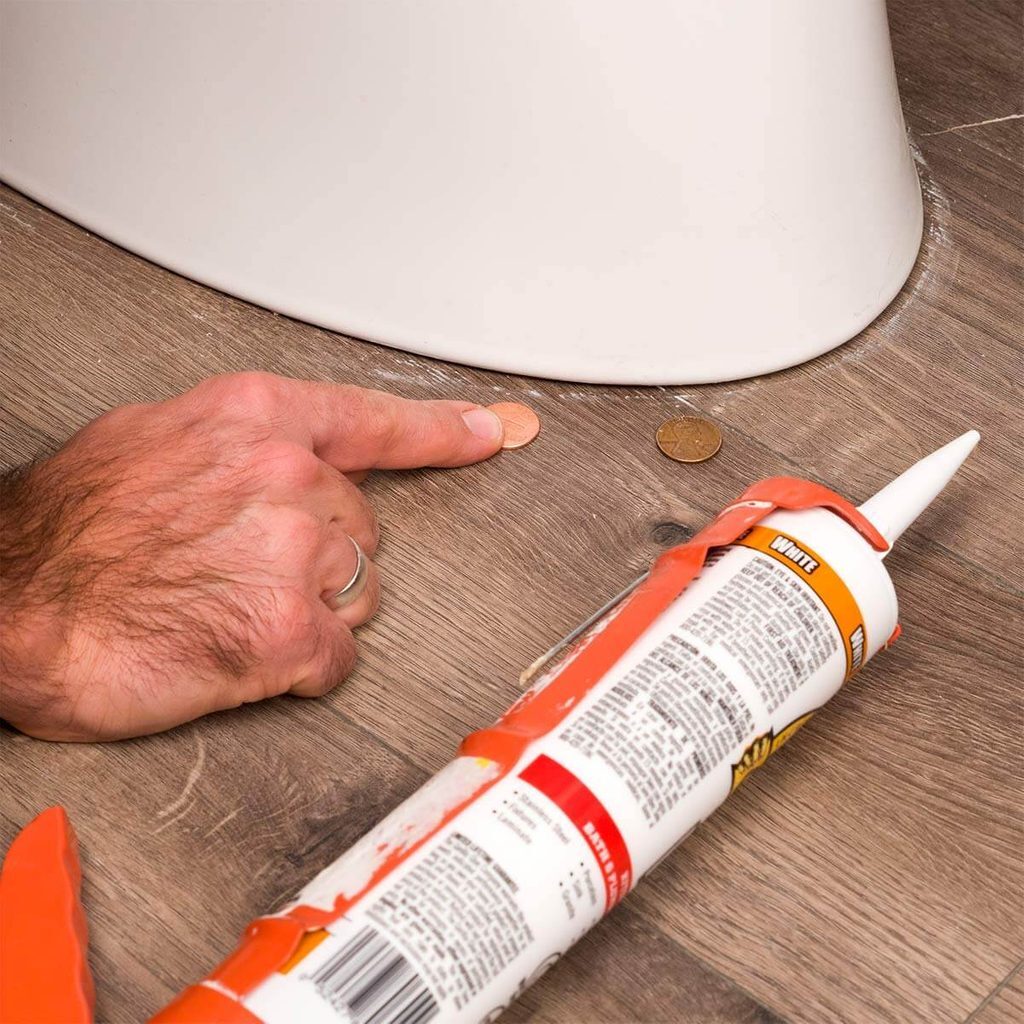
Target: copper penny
x,y
520,422
689,438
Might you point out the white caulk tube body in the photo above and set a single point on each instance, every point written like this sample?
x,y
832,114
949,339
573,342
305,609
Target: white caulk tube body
x,y
486,875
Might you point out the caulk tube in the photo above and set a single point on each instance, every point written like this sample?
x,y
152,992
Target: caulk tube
x,y
470,889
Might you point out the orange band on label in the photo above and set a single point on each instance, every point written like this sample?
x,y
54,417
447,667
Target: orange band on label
x,y
823,580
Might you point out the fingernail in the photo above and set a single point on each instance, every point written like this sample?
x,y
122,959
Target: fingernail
x,y
484,423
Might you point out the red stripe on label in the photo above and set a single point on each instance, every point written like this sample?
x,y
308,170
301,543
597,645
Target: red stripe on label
x,y
591,819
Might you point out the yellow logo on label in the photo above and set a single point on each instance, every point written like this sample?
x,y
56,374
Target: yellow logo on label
x,y
762,748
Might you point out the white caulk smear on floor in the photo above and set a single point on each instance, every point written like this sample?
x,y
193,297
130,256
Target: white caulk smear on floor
x,y
939,262
935,270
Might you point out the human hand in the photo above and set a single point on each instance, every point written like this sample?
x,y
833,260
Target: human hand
x,y
175,559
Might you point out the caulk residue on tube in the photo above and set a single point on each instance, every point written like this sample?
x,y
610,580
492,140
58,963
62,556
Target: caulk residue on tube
x,y
402,828
762,638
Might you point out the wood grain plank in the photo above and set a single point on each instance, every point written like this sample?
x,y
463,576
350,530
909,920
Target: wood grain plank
x,y
187,836
957,63
625,970
470,611
20,443
1005,1005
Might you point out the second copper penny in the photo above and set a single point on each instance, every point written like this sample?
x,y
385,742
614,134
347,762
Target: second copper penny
x,y
520,422
689,438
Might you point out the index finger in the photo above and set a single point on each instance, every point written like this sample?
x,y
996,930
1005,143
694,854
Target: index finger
x,y
358,428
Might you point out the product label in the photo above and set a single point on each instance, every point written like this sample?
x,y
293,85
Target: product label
x,y
718,683
432,938
833,593
367,978
592,820
763,747
665,725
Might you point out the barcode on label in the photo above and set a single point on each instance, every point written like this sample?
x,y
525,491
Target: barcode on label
x,y
373,983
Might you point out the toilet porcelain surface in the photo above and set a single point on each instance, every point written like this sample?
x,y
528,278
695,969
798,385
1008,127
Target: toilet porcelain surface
x,y
677,192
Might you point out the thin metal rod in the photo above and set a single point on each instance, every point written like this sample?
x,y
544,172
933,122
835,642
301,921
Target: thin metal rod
x,y
527,675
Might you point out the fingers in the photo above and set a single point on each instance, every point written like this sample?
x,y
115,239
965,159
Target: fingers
x,y
332,655
351,515
356,429
340,569
293,476
309,648
330,662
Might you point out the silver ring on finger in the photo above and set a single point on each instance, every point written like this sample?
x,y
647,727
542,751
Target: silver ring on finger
x,y
355,586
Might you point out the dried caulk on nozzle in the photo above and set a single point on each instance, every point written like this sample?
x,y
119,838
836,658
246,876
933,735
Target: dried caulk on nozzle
x,y
464,895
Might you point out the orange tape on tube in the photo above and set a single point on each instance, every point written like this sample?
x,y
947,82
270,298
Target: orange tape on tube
x,y
540,710
201,1004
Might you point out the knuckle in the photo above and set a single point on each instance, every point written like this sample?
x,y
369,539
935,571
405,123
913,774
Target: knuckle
x,y
293,534
368,531
120,415
117,420
290,625
249,393
376,423
290,465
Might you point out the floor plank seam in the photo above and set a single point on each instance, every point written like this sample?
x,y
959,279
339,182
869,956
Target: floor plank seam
x,y
999,582
937,546
423,773
976,1012
715,972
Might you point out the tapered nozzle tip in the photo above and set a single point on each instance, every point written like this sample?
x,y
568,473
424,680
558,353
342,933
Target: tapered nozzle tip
x,y
900,502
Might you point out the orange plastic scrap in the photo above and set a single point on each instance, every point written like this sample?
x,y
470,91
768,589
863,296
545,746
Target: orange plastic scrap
x,y
44,976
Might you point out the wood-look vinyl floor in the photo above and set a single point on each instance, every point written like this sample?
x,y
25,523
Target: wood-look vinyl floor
x,y
871,873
